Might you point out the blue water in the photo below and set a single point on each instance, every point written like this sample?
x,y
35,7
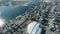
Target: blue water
x,y
8,12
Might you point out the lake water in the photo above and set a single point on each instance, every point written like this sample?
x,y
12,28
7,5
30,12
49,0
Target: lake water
x,y
10,12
